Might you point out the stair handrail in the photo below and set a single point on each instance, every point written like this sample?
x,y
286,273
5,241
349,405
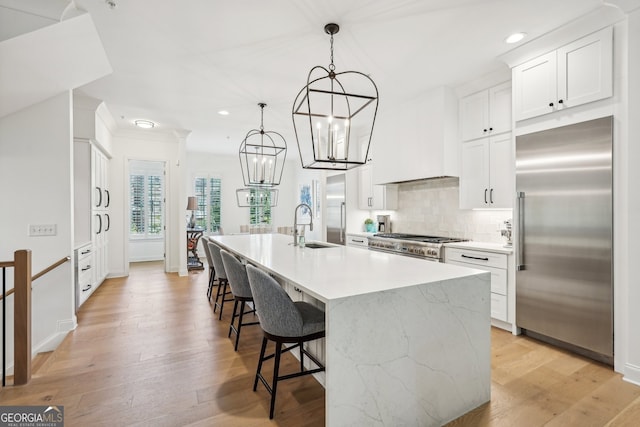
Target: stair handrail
x,y
21,312
56,264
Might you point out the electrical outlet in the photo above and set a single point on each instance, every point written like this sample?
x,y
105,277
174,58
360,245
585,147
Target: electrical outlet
x,y
43,229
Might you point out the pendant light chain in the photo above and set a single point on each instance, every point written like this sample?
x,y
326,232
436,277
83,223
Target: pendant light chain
x,y
331,66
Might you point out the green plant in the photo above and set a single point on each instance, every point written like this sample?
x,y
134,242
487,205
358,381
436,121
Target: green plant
x,y
368,221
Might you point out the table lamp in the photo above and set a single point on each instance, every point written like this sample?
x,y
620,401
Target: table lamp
x,y
192,205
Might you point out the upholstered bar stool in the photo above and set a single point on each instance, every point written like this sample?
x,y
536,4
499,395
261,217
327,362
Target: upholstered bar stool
x,y
283,321
239,284
212,270
223,282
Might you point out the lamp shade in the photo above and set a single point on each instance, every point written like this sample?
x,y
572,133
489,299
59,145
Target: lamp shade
x,y
334,116
192,203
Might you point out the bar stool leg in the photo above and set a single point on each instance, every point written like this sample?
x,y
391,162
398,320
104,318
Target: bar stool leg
x,y
233,317
242,306
258,371
276,368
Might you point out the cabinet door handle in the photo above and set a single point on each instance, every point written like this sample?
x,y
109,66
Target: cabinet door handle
x,y
484,130
88,267
551,104
99,197
85,252
99,224
491,196
490,129
485,195
560,101
109,221
108,199
86,289
474,257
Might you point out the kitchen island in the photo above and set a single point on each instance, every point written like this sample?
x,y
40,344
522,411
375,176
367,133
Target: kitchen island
x,y
407,340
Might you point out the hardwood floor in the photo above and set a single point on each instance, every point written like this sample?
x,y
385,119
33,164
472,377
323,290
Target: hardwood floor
x,y
148,351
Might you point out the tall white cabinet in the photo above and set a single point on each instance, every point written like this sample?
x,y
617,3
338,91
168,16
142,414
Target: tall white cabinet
x,y
486,175
92,128
92,218
100,212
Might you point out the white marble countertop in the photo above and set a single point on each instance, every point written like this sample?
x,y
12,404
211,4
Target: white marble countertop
x,y
338,271
484,246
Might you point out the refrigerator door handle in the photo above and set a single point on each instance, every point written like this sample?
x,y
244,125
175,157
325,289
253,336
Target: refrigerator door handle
x,y
342,208
520,252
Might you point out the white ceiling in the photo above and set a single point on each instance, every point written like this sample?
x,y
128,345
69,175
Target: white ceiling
x,y
178,62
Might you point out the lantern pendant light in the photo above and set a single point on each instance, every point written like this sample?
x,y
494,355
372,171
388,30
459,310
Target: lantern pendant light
x,y
256,196
334,116
262,156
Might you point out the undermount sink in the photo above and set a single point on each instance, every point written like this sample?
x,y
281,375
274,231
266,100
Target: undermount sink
x,y
316,245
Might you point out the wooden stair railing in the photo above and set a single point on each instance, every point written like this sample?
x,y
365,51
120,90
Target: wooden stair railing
x,y
21,313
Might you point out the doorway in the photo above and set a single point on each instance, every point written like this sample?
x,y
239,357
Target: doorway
x,y
147,213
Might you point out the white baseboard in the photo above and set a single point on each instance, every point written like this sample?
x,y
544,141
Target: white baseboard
x,y
52,341
632,374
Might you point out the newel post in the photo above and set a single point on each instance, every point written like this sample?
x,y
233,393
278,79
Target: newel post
x,y
22,317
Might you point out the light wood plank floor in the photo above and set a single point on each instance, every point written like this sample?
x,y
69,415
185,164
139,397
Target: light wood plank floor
x,y
148,351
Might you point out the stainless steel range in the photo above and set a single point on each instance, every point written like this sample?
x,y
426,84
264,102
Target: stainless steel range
x,y
415,245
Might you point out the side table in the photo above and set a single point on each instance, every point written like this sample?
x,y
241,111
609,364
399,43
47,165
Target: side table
x,y
193,237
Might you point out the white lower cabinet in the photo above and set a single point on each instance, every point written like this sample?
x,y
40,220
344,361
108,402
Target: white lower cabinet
x,y
84,273
502,286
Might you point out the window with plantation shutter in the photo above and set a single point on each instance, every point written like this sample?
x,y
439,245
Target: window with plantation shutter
x,y
208,193
146,199
260,212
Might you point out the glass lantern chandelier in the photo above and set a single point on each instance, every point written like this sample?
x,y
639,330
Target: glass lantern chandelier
x,y
257,196
334,115
262,155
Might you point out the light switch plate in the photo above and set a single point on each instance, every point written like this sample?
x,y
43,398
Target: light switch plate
x,y
43,229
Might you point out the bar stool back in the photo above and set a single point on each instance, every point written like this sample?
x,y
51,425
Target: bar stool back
x,y
223,282
239,284
212,270
283,321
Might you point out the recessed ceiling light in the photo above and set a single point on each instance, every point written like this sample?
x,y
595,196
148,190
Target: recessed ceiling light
x,y
223,112
515,37
144,124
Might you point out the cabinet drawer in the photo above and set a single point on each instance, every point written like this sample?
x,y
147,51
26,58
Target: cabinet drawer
x,y
498,276
477,258
359,241
499,307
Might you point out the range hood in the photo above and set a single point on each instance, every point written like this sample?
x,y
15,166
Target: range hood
x,y
417,139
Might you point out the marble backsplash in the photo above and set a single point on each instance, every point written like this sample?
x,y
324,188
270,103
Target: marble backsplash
x,y
431,207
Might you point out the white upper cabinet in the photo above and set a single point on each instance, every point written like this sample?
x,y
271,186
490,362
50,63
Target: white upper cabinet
x,y
486,175
485,113
486,180
375,197
575,74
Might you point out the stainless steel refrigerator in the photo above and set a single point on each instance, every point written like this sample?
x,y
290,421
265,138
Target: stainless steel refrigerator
x,y
336,209
564,278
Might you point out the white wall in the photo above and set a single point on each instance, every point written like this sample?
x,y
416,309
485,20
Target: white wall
x,y
141,145
36,163
631,320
